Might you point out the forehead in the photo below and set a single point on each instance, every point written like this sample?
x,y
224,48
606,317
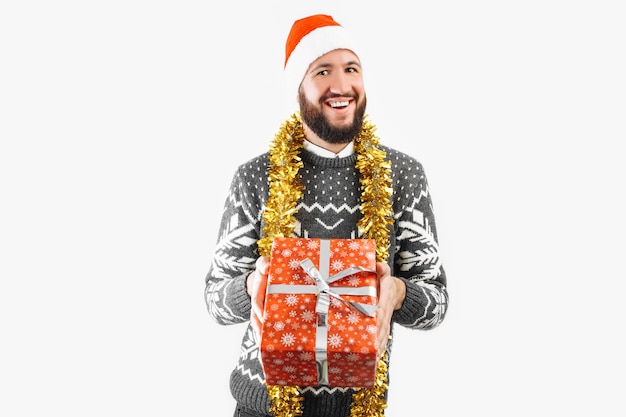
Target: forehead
x,y
337,57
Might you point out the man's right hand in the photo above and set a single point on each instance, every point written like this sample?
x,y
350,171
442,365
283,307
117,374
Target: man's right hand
x,y
256,285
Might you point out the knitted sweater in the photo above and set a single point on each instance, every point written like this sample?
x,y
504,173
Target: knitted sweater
x,y
328,209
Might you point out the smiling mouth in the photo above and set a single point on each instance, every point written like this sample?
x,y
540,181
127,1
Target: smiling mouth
x,y
339,104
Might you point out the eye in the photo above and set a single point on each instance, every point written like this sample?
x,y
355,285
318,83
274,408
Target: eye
x,y
323,72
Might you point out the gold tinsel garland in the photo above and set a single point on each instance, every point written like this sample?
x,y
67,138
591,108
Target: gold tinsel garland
x,y
285,190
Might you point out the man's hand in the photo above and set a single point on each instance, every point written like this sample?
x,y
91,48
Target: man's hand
x,y
391,294
256,285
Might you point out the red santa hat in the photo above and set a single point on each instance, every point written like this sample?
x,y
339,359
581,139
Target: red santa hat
x,y
310,38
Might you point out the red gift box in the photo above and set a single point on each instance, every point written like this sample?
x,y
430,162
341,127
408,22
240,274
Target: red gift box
x,y
319,324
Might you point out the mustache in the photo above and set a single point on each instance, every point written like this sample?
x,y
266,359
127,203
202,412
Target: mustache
x,y
335,95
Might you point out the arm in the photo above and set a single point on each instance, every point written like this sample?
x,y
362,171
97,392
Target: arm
x,y
416,256
414,293
235,254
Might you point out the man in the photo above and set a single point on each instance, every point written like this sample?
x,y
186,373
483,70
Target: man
x,y
325,176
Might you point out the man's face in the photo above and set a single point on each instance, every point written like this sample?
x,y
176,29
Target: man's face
x,y
332,96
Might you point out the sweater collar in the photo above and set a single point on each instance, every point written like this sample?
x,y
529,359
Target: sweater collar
x,y
318,150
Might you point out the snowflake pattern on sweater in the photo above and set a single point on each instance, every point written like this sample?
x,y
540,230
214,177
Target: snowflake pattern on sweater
x,y
329,209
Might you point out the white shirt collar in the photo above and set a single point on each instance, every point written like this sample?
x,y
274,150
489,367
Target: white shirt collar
x,y
318,150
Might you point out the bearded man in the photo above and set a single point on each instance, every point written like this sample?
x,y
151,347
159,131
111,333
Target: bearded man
x,y
325,176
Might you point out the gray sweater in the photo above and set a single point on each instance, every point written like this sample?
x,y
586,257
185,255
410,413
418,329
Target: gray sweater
x,y
328,209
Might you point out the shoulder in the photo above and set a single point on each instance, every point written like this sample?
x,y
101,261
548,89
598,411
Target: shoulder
x,y
250,177
409,182
258,163
252,170
403,165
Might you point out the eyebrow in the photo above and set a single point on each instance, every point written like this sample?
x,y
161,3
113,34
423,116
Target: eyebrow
x,y
324,65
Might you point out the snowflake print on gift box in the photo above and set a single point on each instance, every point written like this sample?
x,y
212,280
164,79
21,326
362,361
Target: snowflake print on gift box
x,y
291,300
353,318
308,316
312,245
294,264
308,279
337,265
287,339
354,245
309,379
336,302
354,281
335,340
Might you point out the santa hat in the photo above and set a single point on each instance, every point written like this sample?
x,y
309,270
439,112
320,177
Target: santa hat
x,y
310,38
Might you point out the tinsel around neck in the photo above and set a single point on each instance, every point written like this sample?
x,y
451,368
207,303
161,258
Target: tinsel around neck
x,y
285,187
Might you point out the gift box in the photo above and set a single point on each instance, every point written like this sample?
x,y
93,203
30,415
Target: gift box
x,y
319,325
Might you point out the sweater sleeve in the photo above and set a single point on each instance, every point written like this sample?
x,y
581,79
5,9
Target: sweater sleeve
x,y
416,260
235,253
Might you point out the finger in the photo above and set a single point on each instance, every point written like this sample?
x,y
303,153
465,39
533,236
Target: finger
x,y
262,264
382,269
258,298
381,338
256,326
259,286
384,281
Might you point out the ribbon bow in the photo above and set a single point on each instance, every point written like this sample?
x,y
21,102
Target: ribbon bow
x,y
325,291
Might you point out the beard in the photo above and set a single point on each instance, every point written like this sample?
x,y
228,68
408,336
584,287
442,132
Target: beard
x,y
318,123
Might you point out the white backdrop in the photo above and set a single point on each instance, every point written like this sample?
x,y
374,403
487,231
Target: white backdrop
x,y
122,122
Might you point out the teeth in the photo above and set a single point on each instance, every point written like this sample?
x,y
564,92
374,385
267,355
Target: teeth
x,y
339,104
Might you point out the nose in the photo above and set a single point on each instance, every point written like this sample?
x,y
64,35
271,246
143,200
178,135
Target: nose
x,y
340,83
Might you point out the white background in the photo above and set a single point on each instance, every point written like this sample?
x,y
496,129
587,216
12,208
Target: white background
x,y
122,122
